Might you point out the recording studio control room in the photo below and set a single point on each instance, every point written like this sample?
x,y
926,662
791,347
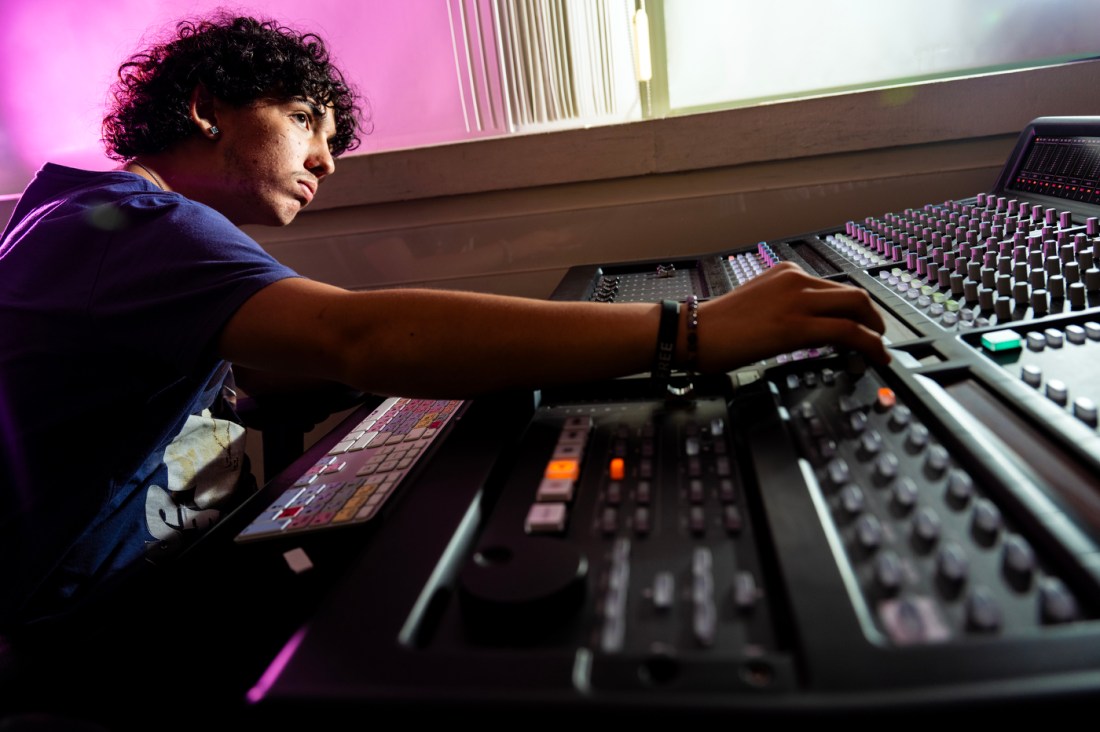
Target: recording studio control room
x,y
814,535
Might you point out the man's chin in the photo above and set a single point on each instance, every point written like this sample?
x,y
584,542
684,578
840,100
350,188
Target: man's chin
x,y
275,220
281,217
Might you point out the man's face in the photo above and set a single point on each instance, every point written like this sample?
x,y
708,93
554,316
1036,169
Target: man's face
x,y
273,155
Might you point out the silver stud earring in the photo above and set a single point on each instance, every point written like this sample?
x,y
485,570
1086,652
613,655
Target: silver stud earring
x,y
214,131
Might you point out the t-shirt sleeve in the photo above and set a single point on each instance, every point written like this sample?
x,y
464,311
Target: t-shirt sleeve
x,y
172,275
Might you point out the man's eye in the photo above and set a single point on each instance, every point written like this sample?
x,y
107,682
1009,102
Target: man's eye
x,y
301,118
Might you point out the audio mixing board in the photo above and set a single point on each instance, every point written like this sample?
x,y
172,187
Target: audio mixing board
x,y
807,535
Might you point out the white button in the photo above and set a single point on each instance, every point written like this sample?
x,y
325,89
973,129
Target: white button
x,y
1085,410
545,518
1057,391
1032,375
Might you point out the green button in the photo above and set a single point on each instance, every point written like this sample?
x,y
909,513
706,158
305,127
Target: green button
x,y
927,290
1001,340
939,297
952,306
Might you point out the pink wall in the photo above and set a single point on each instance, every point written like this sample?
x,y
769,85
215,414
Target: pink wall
x,y
59,57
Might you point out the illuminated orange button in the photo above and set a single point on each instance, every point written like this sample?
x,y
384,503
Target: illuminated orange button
x,y
617,469
886,397
562,469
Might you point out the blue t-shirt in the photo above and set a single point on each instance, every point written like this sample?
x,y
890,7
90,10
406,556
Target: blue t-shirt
x,y
112,296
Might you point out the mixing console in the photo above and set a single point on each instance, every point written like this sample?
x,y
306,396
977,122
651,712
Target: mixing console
x,y
928,541
805,534
988,262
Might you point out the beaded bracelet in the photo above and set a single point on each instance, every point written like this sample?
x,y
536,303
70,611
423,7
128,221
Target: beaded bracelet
x,y
692,333
667,333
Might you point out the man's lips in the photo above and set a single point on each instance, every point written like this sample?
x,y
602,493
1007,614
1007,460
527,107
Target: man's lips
x,y
307,190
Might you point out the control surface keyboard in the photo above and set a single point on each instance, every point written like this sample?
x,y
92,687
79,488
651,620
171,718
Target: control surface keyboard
x,y
352,481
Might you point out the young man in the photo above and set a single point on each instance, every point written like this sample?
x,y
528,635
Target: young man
x,y
125,295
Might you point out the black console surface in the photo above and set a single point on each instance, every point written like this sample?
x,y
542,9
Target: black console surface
x,y
807,536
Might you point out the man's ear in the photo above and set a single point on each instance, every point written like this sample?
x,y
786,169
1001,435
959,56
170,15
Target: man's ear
x,y
203,110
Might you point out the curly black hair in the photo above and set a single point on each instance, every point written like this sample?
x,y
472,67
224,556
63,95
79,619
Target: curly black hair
x,y
239,60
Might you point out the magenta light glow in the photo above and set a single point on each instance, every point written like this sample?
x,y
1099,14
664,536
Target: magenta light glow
x,y
257,692
58,58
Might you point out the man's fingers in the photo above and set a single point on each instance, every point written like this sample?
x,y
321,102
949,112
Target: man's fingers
x,y
847,301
